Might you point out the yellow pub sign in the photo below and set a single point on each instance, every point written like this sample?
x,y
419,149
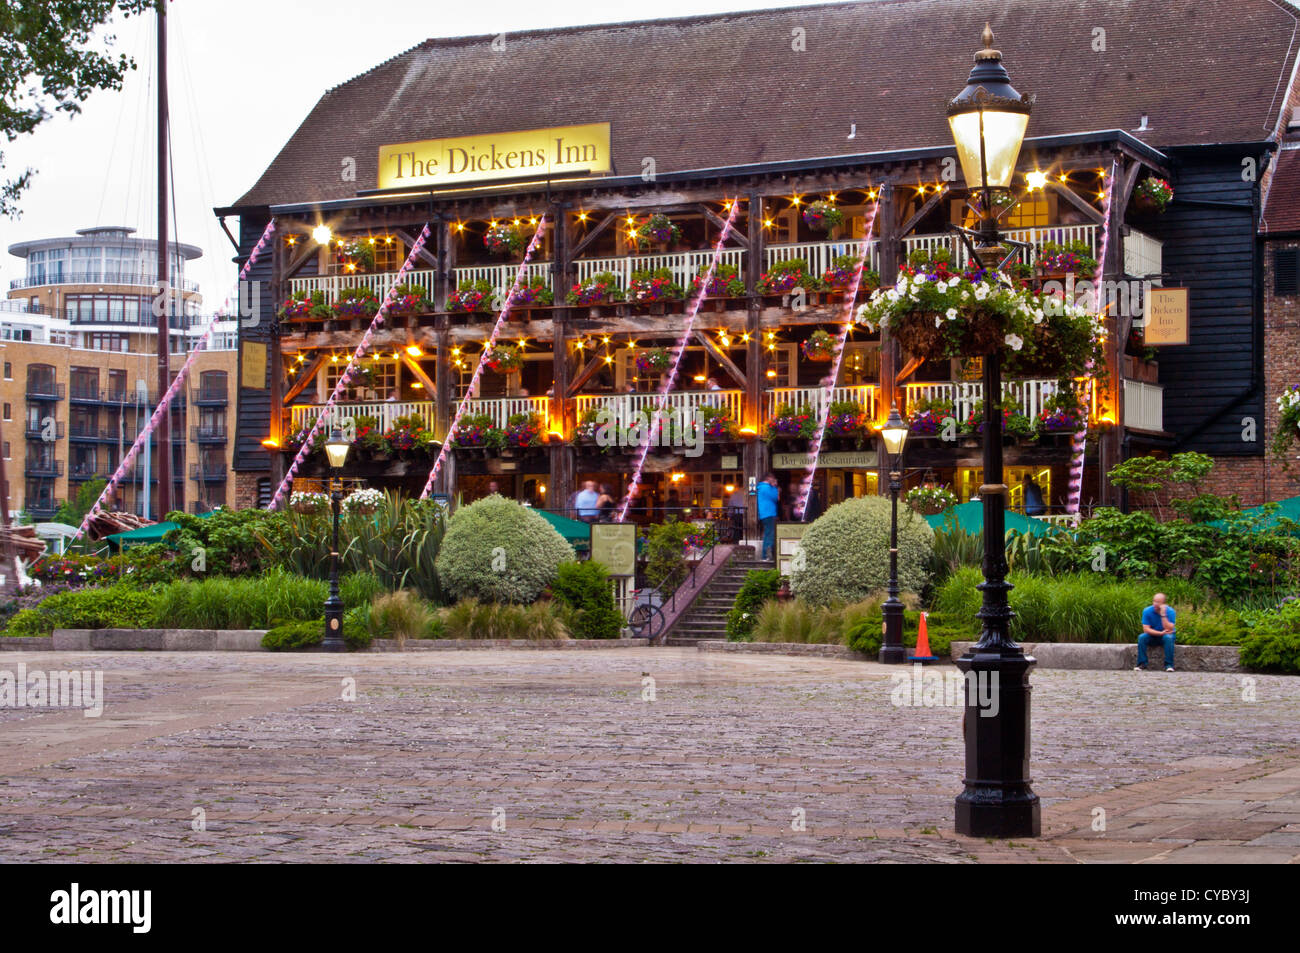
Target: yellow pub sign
x,y
1167,317
538,153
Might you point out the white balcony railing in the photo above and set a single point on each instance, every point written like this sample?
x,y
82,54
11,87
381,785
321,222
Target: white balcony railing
x,y
1029,395
820,255
683,265
1036,237
1144,406
812,397
386,412
501,277
1143,255
628,407
501,409
378,283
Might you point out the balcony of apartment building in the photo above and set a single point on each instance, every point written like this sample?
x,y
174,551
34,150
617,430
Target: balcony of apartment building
x,y
45,429
209,472
42,466
105,277
42,386
212,432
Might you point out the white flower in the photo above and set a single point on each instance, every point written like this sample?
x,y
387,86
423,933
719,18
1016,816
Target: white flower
x,y
938,321
951,314
981,292
941,286
1015,342
965,295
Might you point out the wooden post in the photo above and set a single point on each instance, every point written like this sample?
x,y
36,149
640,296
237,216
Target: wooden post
x,y
890,358
276,422
1110,449
442,273
756,455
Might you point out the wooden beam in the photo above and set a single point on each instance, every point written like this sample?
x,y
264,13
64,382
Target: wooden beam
x,y
722,223
592,235
295,264
309,372
413,365
906,228
909,369
721,357
428,256
1081,204
1125,192
593,365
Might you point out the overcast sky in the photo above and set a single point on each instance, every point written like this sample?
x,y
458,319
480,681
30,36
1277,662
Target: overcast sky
x,y
243,75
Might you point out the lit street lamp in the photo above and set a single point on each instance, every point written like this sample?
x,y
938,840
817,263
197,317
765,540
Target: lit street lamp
x,y
988,120
894,434
336,448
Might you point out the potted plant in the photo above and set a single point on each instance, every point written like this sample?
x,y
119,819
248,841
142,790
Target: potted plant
x,y
356,303
536,292
503,239
409,299
478,432
504,359
656,230
930,500
1058,260
601,288
355,255
1153,194
403,437
302,305
472,296
839,276
368,440
1061,415
784,276
523,430
929,261
718,423
309,504
927,416
653,288
846,424
725,283
790,424
1014,423
362,502
655,360
820,346
822,216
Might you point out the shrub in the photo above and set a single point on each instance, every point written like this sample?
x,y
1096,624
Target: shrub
x,y
256,602
584,587
360,589
760,586
471,619
233,541
665,552
1274,643
797,621
867,635
846,552
113,607
399,615
498,550
301,635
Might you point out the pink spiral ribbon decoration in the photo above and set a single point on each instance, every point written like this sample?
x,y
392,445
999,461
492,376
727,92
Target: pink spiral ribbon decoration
x,y
823,413
482,359
352,366
680,349
222,313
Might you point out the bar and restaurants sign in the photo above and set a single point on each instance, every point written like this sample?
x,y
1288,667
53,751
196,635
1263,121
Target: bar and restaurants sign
x,y
1166,318
540,153
835,459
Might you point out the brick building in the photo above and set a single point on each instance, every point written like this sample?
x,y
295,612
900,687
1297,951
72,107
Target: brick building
x,y
78,343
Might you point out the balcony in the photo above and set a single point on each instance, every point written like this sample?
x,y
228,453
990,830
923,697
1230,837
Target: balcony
x,y
377,283
1028,395
44,390
84,393
501,409
83,433
43,509
1144,406
208,473
134,279
386,412
215,433
79,472
36,430
1143,255
207,396
43,468
626,408
864,396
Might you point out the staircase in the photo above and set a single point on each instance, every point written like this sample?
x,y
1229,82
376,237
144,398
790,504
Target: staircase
x,y
707,616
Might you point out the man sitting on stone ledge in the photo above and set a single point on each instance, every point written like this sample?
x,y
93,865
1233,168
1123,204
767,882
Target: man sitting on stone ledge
x,y
1157,623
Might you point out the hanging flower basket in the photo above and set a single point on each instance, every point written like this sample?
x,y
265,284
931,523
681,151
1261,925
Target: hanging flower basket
x,y
930,500
820,346
656,230
362,502
822,216
503,239
1153,194
655,360
1288,426
309,504
938,317
504,359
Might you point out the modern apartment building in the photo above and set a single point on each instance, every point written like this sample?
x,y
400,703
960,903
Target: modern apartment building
x,y
78,344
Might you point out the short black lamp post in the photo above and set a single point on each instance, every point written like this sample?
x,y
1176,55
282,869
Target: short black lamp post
x,y
894,434
988,121
336,448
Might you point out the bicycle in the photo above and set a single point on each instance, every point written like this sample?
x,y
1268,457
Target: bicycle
x,y
646,620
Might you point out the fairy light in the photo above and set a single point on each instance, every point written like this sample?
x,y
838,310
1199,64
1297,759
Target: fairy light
x,y
1036,180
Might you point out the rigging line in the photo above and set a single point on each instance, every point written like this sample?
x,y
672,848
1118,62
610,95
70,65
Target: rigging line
x,y
196,136
137,141
112,156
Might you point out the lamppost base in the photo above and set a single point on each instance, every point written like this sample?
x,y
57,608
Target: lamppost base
x,y
999,800
893,654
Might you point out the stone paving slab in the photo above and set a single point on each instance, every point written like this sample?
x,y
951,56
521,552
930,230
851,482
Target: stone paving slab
x,y
555,756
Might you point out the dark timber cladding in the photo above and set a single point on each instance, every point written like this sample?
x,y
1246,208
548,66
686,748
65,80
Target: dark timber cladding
x,y
255,331
1210,248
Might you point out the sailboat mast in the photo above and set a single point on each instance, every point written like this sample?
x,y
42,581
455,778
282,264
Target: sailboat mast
x,y
164,278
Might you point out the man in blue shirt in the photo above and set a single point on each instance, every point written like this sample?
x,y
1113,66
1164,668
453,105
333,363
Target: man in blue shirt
x,y
586,501
768,496
1157,623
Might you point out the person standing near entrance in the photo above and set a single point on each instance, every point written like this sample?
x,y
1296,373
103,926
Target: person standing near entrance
x,y
769,498
586,501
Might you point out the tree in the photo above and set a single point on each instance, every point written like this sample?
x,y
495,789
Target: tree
x,y
47,65
74,511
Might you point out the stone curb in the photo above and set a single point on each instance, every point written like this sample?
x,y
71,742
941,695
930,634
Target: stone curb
x,y
782,648
250,640
1094,656
470,645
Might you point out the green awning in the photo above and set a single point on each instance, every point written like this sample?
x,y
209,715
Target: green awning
x,y
575,531
153,533
970,517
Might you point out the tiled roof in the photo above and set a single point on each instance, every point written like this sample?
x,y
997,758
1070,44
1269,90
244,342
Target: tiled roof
x,y
731,89
1282,213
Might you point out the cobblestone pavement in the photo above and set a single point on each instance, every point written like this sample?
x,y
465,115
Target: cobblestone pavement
x,y
561,749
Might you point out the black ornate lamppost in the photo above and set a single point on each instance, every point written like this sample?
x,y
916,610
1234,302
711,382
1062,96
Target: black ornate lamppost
x,y
336,448
894,435
988,121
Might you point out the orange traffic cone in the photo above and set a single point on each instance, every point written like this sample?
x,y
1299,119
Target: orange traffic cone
x,y
922,644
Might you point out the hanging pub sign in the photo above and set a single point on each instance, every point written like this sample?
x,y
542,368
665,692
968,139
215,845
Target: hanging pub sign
x,y
833,459
1166,318
537,153
613,545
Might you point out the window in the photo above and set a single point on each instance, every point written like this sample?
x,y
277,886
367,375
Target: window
x,y
117,385
861,365
263,492
40,379
7,454
9,371
780,370
1286,271
84,382
382,380
8,412
1029,212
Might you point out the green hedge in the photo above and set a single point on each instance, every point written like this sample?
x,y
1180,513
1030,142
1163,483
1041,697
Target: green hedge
x,y
497,550
1274,643
301,635
246,602
760,585
112,607
585,588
